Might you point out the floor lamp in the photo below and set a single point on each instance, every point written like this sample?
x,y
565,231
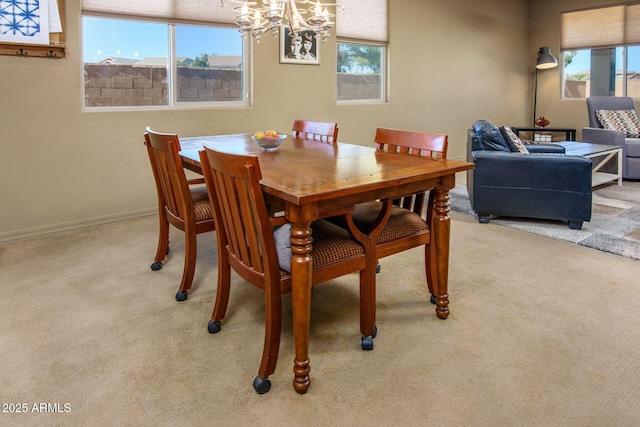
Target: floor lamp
x,y
545,61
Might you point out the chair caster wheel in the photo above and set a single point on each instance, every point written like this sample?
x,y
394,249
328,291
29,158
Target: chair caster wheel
x,y
214,327
261,385
367,343
156,266
182,296
378,268
433,299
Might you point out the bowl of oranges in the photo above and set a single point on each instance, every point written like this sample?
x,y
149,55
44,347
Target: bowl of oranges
x,y
269,140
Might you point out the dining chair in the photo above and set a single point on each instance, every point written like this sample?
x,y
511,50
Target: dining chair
x,y
316,131
185,207
407,224
248,244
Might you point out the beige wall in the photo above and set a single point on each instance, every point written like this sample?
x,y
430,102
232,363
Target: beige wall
x,y
451,62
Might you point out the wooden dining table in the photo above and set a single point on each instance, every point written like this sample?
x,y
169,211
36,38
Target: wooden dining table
x,y
309,179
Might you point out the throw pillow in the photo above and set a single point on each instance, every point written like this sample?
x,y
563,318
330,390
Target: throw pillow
x,y
622,120
515,144
490,136
282,237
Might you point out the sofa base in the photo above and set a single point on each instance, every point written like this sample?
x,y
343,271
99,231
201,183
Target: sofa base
x,y
573,224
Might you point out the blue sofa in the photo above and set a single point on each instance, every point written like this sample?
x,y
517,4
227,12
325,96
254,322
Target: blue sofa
x,y
541,183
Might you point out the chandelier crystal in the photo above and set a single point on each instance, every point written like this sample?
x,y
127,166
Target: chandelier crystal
x,y
258,20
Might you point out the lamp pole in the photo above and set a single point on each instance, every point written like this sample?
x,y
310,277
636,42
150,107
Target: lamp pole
x,y
535,98
545,61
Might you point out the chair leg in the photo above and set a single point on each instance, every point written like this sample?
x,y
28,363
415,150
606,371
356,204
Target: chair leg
x,y
273,327
224,287
163,242
190,252
368,327
429,249
429,262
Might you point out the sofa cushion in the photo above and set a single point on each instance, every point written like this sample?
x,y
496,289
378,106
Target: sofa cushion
x,y
632,147
621,120
514,143
490,136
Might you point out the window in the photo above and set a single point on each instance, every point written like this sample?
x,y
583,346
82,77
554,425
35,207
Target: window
x,y
360,72
608,71
362,51
160,61
601,51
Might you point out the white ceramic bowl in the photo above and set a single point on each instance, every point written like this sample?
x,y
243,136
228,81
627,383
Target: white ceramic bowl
x,y
268,143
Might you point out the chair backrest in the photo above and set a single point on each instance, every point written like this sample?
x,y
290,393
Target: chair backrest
x,y
240,212
415,143
423,144
606,103
171,182
315,131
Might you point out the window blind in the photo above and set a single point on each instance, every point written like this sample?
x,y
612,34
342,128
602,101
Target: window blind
x,y
602,27
206,11
364,20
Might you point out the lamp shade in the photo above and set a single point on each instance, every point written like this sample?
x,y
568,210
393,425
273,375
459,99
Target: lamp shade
x,y
545,59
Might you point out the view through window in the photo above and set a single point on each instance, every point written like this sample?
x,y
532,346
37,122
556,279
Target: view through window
x,y
132,64
602,72
361,72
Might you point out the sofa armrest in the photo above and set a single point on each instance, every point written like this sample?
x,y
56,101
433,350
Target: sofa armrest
x,y
545,148
532,171
603,136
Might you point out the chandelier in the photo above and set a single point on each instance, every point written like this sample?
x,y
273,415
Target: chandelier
x,y
258,20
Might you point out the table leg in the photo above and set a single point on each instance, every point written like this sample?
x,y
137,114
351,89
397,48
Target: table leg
x,y
619,152
301,267
440,241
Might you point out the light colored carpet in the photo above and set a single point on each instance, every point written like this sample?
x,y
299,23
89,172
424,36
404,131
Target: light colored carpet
x,y
541,333
614,225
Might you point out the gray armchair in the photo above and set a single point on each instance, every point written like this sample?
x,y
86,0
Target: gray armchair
x,y
596,134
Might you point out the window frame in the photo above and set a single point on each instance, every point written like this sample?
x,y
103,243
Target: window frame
x,y
172,103
365,22
601,28
384,74
623,69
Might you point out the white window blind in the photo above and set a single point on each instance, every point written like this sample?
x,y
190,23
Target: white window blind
x,y
206,11
602,27
363,20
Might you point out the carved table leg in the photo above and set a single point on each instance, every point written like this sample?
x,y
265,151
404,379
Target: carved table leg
x,y
301,266
440,240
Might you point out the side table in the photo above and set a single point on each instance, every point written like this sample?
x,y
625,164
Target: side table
x,y
570,134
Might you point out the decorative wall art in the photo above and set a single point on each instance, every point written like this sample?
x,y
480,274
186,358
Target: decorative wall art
x,y
24,21
303,49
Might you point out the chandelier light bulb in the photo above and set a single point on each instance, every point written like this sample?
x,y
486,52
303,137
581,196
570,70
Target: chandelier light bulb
x,y
256,20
